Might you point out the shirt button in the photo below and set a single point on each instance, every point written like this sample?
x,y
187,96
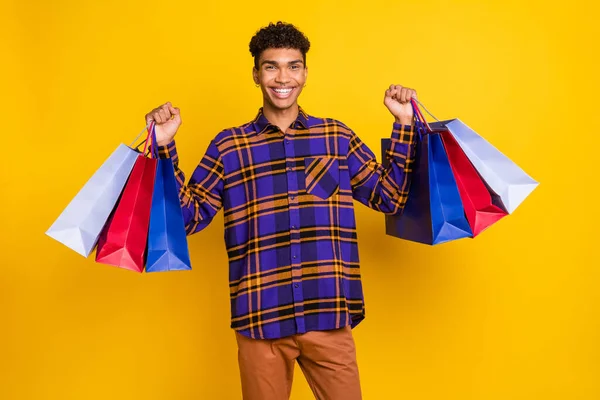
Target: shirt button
x,y
293,226
296,285
287,142
294,256
289,168
292,197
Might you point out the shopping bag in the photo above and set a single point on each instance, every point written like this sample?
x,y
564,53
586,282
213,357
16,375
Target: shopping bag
x,y
167,238
81,222
123,240
433,213
503,176
477,200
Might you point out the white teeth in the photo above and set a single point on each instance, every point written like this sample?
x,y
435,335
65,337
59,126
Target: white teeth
x,y
283,91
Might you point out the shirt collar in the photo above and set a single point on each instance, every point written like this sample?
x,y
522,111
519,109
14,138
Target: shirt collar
x,y
262,124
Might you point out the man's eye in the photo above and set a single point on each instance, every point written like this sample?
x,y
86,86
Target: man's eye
x,y
295,67
270,67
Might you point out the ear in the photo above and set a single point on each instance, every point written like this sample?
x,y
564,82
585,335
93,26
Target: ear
x,y
255,75
305,73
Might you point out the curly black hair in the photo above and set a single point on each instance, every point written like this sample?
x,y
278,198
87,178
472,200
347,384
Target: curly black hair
x,y
278,36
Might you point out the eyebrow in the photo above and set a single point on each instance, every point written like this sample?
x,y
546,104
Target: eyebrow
x,y
272,62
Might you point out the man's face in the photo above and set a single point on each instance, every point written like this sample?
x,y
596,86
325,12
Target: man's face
x,y
281,75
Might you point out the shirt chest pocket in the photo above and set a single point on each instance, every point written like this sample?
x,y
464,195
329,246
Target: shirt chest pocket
x,y
321,176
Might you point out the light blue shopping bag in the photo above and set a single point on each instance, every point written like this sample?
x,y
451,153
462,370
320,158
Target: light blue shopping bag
x,y
79,225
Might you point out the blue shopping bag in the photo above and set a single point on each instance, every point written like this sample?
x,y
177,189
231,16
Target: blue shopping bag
x,y
434,212
167,238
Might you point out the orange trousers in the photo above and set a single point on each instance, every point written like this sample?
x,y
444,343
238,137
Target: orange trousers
x,y
327,359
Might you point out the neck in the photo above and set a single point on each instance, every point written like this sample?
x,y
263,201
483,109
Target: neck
x,y
282,118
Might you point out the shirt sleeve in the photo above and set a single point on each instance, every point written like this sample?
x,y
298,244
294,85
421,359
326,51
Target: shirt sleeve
x,y
202,198
384,189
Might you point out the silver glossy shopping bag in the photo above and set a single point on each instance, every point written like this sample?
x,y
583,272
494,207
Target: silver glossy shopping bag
x,y
81,222
502,175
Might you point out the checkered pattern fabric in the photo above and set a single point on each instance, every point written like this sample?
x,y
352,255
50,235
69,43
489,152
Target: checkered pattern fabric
x,y
290,229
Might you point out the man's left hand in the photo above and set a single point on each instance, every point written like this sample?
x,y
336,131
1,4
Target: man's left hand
x,y
397,100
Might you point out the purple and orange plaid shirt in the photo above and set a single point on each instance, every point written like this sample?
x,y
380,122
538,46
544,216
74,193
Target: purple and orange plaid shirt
x,y
290,230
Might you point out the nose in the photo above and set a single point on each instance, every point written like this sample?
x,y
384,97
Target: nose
x,y
282,77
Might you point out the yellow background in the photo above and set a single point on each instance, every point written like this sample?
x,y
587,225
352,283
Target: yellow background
x,y
513,314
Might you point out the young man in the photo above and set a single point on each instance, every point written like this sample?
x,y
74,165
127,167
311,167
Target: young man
x,y
286,182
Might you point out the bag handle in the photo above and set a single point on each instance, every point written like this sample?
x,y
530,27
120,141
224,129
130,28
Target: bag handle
x,y
137,137
420,123
421,119
148,138
154,144
426,110
149,141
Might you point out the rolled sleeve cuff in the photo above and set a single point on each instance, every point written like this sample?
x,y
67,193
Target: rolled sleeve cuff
x,y
168,151
403,133
404,142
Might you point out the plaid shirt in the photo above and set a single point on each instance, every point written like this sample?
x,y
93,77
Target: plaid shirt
x,y
290,230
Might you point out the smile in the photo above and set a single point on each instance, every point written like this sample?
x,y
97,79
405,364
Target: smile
x,y
282,93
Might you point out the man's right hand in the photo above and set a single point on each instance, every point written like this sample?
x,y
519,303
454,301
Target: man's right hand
x,y
168,121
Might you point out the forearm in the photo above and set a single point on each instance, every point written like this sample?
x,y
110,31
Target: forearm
x,y
201,198
384,187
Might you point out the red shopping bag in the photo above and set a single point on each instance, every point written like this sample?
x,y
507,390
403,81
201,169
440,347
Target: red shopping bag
x,y
477,200
123,240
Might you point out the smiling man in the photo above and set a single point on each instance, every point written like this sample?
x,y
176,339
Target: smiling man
x,y
286,182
